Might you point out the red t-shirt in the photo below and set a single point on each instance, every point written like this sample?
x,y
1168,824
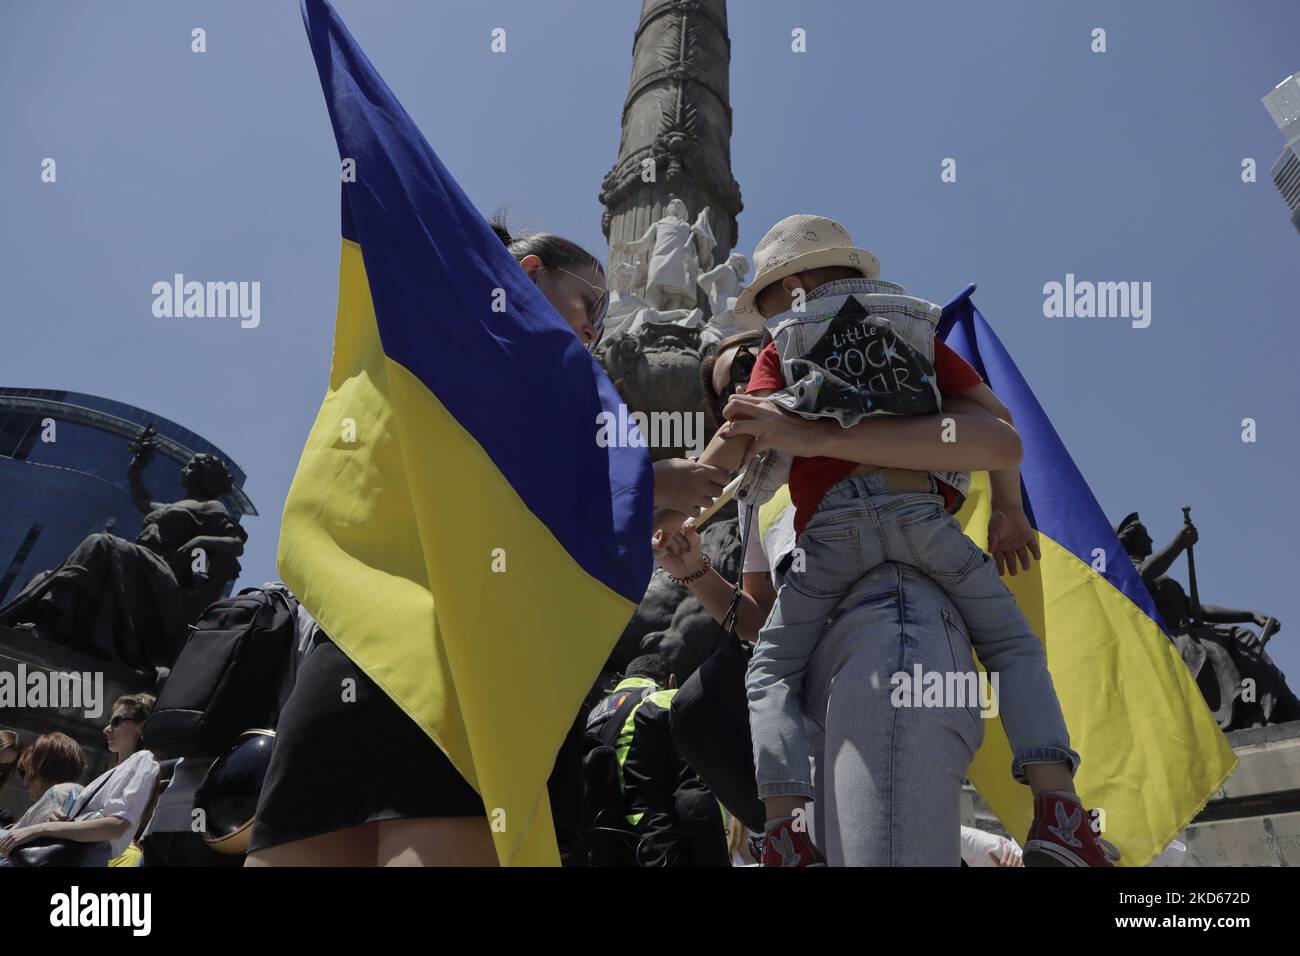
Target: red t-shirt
x,y
811,478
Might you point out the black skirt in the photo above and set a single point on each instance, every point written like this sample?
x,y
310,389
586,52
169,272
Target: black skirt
x,y
340,764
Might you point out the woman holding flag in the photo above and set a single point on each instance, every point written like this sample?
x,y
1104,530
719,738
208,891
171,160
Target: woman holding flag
x,y
354,781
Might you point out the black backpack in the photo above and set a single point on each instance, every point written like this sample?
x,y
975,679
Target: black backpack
x,y
230,676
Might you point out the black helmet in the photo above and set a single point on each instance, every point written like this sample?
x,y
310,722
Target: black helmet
x,y
228,794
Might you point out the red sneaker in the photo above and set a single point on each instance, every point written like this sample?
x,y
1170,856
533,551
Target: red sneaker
x,y
783,845
1061,835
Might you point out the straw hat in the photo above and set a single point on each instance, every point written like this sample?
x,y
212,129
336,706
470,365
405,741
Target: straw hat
x,y
797,243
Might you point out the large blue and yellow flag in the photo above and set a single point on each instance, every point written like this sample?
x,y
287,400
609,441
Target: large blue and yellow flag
x,y
1152,753
453,524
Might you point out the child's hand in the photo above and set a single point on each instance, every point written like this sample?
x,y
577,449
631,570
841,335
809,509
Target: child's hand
x,y
665,520
679,552
1011,537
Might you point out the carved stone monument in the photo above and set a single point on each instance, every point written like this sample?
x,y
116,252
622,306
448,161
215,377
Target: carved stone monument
x,y
670,217
676,140
670,207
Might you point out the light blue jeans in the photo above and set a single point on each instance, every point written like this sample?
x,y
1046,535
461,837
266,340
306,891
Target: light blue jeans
x,y
858,526
888,779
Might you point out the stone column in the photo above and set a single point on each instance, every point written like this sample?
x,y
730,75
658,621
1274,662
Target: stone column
x,y
677,115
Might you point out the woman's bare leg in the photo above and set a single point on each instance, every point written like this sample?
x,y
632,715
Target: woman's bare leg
x,y
436,841
355,846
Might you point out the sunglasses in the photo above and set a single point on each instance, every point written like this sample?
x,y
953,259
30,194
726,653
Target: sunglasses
x,y
595,309
742,367
119,719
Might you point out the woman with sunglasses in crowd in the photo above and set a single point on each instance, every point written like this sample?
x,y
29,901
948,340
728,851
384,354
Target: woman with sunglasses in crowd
x,y
725,369
356,782
108,812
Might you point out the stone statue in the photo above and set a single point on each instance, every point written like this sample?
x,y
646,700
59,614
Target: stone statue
x,y
721,285
1240,682
673,250
654,330
130,601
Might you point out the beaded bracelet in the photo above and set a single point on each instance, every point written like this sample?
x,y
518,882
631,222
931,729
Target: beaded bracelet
x,y
697,575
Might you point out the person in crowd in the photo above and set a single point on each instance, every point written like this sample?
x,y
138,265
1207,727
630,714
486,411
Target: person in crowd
x,y
357,782
8,755
871,351
168,838
725,368
668,808
111,808
888,781
50,768
130,601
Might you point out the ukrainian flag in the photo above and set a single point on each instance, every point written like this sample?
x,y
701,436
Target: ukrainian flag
x,y
453,524
1152,754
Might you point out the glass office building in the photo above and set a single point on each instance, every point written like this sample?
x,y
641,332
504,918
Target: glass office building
x,y
63,460
1283,104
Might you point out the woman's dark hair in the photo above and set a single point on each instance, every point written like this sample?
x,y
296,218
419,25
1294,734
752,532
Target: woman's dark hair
x,y
710,359
554,251
210,476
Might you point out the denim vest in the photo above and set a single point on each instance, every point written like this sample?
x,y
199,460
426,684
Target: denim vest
x,y
859,349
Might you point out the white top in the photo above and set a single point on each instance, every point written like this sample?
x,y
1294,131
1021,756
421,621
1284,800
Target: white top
x,y
55,798
764,553
126,795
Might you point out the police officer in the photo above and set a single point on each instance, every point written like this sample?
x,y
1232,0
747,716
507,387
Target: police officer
x,y
664,804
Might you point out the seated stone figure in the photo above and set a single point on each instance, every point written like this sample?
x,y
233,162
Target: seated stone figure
x,y
130,601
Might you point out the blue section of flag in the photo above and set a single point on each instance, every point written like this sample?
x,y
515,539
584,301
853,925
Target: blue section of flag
x,y
519,380
1057,499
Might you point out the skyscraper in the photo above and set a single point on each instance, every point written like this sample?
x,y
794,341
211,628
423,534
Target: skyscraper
x,y
1283,104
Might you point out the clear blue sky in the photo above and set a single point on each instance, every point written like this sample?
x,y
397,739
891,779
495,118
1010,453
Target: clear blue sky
x,y
1116,166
